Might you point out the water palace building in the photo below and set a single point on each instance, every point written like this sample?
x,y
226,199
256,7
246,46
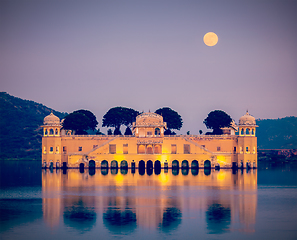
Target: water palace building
x,y
148,147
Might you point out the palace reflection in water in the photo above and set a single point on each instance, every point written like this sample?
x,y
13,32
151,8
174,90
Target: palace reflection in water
x,y
123,201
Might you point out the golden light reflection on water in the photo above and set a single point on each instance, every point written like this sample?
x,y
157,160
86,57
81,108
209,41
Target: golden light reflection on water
x,y
128,200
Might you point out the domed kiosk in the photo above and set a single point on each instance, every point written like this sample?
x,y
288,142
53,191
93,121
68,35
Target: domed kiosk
x,y
247,142
149,125
51,141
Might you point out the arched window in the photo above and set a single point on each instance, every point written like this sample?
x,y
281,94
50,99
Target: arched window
x,y
56,131
45,132
51,131
253,132
247,131
242,132
157,131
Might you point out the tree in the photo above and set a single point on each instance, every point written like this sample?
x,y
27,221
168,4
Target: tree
x,y
76,122
92,122
171,117
188,132
128,131
117,116
216,120
200,132
80,121
109,132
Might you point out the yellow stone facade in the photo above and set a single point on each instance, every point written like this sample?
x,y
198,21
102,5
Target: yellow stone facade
x,y
148,147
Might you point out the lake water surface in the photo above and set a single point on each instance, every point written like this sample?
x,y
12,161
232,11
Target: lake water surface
x,y
45,204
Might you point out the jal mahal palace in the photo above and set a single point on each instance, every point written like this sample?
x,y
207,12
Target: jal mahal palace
x,y
149,148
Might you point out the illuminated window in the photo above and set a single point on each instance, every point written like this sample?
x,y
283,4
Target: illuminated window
x,y
44,149
64,149
57,149
173,148
240,149
112,149
187,149
218,148
141,149
149,149
125,148
254,150
158,149
79,149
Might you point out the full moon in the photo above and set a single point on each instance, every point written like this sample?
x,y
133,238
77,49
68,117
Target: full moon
x,y
210,39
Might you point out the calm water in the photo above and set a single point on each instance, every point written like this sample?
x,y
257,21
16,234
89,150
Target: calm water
x,y
44,204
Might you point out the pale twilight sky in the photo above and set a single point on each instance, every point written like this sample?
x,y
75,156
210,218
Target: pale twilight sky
x,y
95,55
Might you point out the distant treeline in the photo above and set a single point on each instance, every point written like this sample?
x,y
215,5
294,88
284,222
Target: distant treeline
x,y
278,155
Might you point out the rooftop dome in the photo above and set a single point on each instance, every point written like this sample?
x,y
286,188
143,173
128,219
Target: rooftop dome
x,y
247,119
149,119
51,120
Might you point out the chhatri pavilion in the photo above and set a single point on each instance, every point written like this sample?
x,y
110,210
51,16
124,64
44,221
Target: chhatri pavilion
x,y
148,147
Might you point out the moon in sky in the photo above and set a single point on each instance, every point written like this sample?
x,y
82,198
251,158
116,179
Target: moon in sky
x,y
210,39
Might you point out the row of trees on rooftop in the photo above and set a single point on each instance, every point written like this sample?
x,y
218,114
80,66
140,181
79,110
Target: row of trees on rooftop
x,y
82,121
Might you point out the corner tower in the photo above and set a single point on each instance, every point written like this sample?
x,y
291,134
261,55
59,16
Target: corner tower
x,y
247,142
51,142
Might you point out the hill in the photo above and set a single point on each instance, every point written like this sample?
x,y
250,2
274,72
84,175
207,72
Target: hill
x,y
20,131
277,133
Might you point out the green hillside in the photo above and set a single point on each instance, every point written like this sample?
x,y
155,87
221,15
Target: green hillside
x,y
20,131
277,133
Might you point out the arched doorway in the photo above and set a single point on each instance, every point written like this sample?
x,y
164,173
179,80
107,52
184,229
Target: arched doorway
x,y
157,167
133,165
185,164
165,164
124,164
175,164
141,164
141,167
57,164
92,164
44,164
104,164
81,167
149,164
64,165
114,164
51,165
157,164
194,164
207,164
